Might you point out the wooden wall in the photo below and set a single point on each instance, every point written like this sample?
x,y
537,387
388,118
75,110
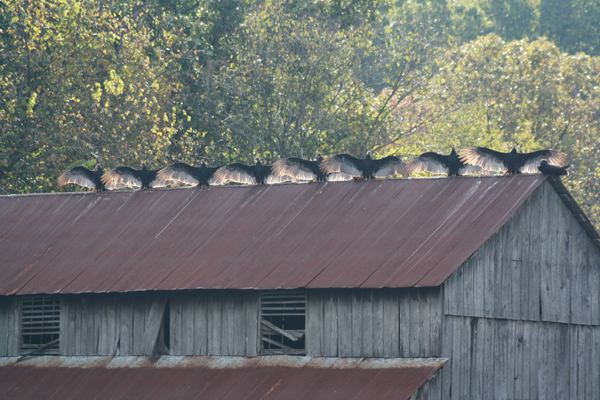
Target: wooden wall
x,y
540,266
10,325
374,323
214,322
506,359
110,324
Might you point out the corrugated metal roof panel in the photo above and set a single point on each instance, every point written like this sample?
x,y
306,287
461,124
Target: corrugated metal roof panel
x,y
380,233
235,378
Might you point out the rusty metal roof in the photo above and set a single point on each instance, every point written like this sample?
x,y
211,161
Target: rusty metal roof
x,y
275,377
379,233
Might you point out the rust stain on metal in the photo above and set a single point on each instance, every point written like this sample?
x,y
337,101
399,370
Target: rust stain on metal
x,y
381,233
281,377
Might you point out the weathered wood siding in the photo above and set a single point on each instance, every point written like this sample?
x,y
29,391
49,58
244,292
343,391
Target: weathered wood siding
x,y
374,323
214,322
540,266
10,325
110,324
508,359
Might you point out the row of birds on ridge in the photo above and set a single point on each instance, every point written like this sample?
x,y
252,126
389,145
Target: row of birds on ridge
x,y
471,160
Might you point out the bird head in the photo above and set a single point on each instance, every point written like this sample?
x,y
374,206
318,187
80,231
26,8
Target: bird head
x,y
514,150
368,154
203,161
143,165
98,166
544,163
318,155
257,159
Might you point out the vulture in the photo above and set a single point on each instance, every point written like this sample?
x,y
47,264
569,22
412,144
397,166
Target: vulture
x,y
83,177
305,170
438,164
252,174
184,173
548,169
366,168
133,178
513,162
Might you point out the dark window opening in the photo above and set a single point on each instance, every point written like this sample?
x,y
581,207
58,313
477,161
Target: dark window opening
x,y
283,322
40,325
164,336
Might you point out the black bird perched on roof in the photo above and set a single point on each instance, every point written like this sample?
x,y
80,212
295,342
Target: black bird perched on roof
x,y
251,174
304,170
83,177
184,173
438,163
133,178
366,168
548,169
513,162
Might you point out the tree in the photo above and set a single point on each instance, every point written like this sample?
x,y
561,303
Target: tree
x,y
294,86
77,85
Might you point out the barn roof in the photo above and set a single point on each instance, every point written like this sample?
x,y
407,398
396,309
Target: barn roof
x,y
273,377
380,233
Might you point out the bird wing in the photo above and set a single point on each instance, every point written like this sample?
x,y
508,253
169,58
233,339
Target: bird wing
x,y
79,175
430,161
295,167
179,172
342,163
488,159
531,160
271,179
122,177
388,166
338,177
468,169
236,172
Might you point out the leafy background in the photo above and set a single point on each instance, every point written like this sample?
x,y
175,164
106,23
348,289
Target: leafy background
x,y
162,81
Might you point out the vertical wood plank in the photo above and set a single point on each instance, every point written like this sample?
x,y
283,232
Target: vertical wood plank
x,y
435,337
592,260
562,363
390,324
517,344
214,334
378,323
98,308
344,299
477,348
515,261
330,324
489,275
405,320
563,261
479,282
74,312
87,314
533,267
489,358
187,323
524,274
509,232
139,324
416,321
573,362
357,323
200,323
126,324
252,323
580,291
595,360
158,302
551,256
113,332
424,295
226,323
468,287
5,332
457,360
367,319
532,342
314,323
498,274
63,326
239,323
446,370
543,350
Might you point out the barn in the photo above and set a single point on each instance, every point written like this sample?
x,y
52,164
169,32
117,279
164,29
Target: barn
x,y
483,287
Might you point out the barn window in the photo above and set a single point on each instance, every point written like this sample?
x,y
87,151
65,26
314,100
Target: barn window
x,y
283,322
40,324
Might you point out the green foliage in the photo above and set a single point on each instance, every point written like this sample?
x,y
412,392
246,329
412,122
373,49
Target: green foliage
x,y
79,85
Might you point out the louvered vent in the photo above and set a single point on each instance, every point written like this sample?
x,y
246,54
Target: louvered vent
x,y
40,324
283,322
